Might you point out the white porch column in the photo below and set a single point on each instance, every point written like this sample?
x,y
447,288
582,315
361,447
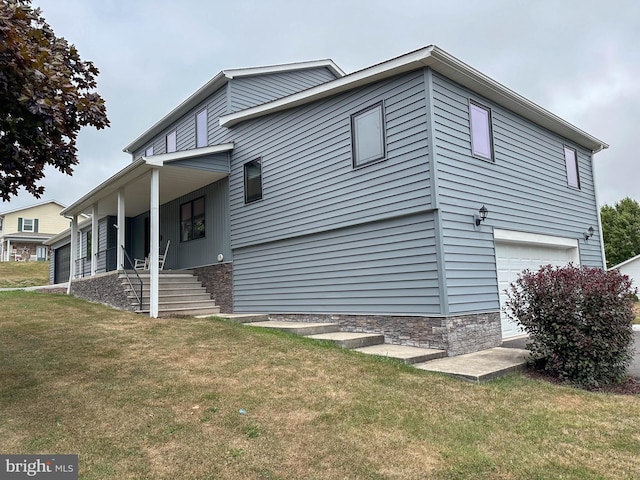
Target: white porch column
x,y
94,238
121,231
73,251
154,224
8,249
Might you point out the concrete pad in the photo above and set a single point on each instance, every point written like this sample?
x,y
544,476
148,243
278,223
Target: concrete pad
x,y
405,354
244,317
480,366
350,339
297,328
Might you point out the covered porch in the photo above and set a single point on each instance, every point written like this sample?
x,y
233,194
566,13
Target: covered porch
x,y
139,205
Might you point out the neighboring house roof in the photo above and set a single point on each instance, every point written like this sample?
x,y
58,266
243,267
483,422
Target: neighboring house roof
x,y
441,62
27,236
31,206
214,84
626,262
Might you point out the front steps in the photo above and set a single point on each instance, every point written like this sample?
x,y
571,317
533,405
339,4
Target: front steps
x,y
368,343
180,293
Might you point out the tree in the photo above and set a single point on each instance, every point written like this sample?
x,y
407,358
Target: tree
x,y
621,230
47,93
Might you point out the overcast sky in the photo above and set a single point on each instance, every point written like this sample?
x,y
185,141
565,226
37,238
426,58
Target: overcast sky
x,y
580,59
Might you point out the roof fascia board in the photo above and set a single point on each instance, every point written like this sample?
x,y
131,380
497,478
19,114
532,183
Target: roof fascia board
x,y
441,62
287,67
160,160
110,185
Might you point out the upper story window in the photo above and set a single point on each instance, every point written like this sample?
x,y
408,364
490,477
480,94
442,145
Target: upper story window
x,y
27,225
367,135
1,224
149,151
171,142
481,132
571,162
192,220
201,129
253,181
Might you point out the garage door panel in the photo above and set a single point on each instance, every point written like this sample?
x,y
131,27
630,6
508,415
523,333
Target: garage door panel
x,y
513,258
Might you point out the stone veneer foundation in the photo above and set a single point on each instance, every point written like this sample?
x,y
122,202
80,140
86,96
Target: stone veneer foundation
x,y
103,288
218,280
455,334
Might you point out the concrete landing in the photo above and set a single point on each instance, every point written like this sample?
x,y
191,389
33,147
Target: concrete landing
x,y
480,366
298,328
244,317
408,355
350,339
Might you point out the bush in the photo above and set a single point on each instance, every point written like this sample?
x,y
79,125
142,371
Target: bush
x,y
578,320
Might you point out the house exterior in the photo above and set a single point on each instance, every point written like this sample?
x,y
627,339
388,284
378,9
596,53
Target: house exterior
x,y
630,268
23,231
308,194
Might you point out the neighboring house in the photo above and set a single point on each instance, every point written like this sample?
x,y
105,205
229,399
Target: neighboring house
x,y
630,268
309,194
23,231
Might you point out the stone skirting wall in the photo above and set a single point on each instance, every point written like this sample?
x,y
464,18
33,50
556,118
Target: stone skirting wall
x,y
455,334
218,280
104,288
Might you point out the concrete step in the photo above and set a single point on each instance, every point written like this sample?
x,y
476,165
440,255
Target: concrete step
x,y
174,297
179,305
405,354
350,339
246,317
297,328
190,311
480,366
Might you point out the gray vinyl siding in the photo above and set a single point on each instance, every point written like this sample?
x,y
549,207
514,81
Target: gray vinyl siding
x,y
309,183
385,267
525,190
211,163
202,251
245,92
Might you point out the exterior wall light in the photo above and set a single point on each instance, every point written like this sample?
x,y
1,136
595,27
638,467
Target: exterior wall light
x,y
483,212
588,234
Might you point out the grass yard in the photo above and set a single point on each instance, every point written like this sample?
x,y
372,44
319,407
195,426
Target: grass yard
x,y
23,274
140,398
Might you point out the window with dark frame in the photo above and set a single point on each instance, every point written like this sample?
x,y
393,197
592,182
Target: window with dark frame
x,y
192,224
368,135
149,151
253,181
481,131
571,163
171,141
201,128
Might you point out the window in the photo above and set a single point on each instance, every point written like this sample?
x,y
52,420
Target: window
x,y
571,162
27,225
253,181
367,135
171,142
481,134
201,129
192,220
149,151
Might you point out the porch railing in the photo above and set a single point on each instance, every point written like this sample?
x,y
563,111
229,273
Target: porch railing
x,y
126,275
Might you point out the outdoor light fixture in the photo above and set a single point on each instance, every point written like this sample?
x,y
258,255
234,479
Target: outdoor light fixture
x,y
588,234
483,215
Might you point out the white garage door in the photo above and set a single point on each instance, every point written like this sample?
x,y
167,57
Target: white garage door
x,y
516,251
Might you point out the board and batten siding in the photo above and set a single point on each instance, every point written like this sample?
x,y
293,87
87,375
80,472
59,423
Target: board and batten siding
x,y
525,190
308,180
384,267
202,251
245,92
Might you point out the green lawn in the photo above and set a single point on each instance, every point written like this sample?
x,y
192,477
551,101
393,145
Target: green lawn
x,y
139,398
23,274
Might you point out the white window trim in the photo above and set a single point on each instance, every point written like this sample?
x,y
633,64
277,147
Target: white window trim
x,y
202,142
491,157
354,153
566,148
24,224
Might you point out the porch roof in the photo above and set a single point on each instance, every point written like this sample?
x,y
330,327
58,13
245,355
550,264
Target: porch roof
x,y
180,173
